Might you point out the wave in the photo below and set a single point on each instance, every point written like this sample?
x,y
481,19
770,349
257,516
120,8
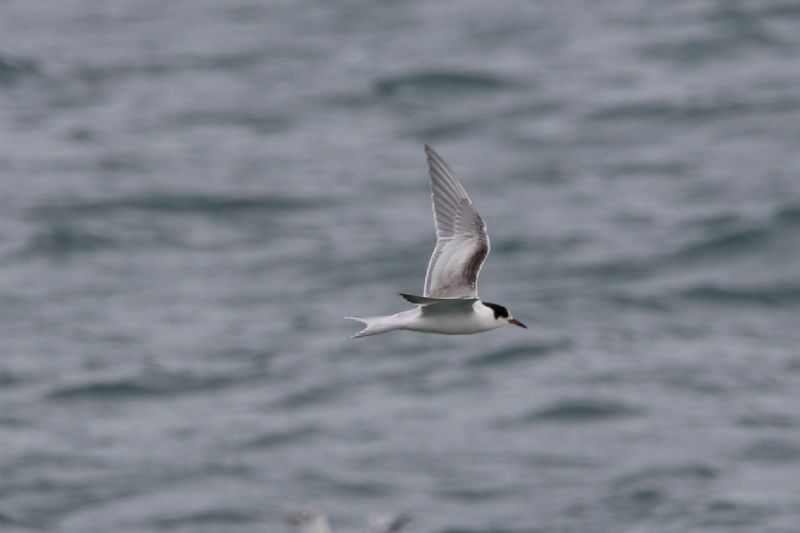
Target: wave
x,y
309,396
443,81
717,246
770,295
769,420
64,239
366,487
119,223
520,352
772,451
222,517
146,386
7,378
169,66
287,437
182,203
13,69
489,530
697,110
656,490
788,214
582,410
469,494
723,242
697,471
257,122
446,129
6,520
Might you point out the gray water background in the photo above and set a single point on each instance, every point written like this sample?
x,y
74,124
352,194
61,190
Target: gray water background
x,y
193,193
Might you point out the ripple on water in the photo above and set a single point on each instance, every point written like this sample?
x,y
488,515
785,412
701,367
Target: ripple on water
x,y
489,530
772,295
443,82
222,517
439,129
262,123
276,439
468,494
180,203
658,491
582,410
772,451
773,420
116,223
723,244
13,69
519,352
364,487
147,386
11,421
7,379
744,237
310,396
64,239
706,110
788,214
154,67
727,514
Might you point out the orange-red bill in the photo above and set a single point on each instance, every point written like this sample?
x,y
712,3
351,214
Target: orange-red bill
x,y
517,323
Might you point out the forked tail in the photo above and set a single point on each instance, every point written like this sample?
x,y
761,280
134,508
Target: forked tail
x,y
374,325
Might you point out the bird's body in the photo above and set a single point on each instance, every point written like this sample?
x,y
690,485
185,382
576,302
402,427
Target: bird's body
x,y
450,303
461,317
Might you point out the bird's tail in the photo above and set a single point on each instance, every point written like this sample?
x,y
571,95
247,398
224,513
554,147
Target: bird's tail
x,y
375,325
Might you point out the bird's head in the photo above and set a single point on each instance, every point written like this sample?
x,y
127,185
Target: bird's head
x,y
502,315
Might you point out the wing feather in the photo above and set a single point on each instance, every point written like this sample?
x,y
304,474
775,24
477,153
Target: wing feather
x,y
462,243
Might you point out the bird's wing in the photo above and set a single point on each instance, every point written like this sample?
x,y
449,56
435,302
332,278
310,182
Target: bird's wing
x,y
422,300
462,243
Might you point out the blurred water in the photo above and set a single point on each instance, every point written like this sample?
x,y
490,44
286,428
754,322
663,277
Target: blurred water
x,y
192,195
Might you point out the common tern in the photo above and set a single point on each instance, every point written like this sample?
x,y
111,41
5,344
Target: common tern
x,y
450,303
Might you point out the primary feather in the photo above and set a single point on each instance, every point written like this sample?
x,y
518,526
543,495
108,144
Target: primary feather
x,y
462,243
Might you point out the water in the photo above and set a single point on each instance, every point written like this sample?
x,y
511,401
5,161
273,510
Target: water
x,y
192,194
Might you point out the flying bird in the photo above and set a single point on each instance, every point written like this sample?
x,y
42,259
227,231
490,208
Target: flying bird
x,y
449,303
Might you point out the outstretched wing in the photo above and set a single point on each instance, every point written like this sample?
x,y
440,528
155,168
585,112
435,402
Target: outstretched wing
x,y
461,240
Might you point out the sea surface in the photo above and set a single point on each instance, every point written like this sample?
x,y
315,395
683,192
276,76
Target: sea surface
x,y
194,193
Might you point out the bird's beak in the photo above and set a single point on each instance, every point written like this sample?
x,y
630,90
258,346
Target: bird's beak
x,y
517,323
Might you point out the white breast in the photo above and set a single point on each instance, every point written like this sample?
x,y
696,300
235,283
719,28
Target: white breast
x,y
479,318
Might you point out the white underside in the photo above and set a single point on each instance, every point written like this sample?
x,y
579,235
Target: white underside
x,y
456,324
472,319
